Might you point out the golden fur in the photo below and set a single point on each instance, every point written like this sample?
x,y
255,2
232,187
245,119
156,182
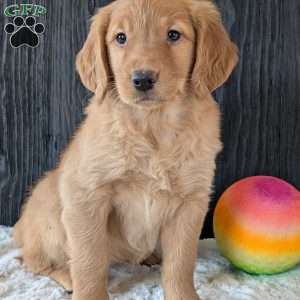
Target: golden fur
x,y
137,175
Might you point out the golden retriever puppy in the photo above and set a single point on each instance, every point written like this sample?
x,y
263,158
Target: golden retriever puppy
x,y
137,175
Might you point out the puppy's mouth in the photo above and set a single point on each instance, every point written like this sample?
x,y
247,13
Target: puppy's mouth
x,y
147,99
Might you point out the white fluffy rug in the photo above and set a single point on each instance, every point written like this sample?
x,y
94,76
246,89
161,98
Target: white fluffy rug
x,y
215,279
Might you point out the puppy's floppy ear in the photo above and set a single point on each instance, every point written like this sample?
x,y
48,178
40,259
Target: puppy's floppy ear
x,y
215,55
92,60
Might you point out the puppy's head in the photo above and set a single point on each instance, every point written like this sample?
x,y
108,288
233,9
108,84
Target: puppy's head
x,y
151,52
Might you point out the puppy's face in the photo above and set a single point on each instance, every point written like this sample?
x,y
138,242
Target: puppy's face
x,y
151,52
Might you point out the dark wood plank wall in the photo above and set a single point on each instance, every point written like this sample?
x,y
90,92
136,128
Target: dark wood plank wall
x,y
42,99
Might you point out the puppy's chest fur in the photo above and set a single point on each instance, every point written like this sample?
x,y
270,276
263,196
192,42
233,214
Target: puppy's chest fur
x,y
153,164
161,170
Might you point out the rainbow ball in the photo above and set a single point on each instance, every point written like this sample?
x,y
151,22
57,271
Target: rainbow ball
x,y
257,225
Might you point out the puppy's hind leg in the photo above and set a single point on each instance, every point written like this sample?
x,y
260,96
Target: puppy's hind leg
x,y
40,234
37,260
30,242
61,275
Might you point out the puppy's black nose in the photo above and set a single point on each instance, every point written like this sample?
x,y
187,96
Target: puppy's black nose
x,y
144,80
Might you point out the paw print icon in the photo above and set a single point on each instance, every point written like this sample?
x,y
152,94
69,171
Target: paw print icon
x,y
24,31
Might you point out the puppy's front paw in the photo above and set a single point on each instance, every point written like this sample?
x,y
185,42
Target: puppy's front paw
x,y
104,296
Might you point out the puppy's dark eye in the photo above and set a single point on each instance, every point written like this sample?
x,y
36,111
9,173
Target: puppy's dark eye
x,y
174,36
121,38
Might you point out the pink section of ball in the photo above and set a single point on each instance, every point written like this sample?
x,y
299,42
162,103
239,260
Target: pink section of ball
x,y
265,204
273,189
